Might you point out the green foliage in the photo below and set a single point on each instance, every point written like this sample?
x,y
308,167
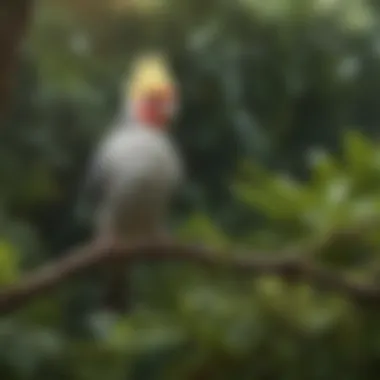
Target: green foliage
x,y
8,263
274,84
200,228
340,193
222,325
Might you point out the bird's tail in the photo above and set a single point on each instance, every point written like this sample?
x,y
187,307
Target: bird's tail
x,y
118,292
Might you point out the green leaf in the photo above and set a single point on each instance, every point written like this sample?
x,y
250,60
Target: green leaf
x,y
9,270
358,153
324,168
200,228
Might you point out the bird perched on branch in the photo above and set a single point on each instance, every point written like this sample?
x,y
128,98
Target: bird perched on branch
x,y
136,168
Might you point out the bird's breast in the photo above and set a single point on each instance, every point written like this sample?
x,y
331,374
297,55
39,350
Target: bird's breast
x,y
143,169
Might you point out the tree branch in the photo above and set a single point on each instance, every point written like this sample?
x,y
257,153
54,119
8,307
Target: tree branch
x,y
92,255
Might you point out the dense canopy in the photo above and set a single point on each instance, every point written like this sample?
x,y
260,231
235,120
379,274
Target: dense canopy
x,y
278,126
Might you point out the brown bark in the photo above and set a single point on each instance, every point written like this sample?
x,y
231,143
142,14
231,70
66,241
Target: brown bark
x,y
14,19
90,256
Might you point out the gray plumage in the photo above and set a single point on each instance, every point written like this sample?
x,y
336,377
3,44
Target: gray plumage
x,y
133,176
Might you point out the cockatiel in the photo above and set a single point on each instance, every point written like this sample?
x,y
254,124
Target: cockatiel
x,y
136,168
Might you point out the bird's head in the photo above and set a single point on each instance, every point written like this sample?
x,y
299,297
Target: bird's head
x,y
152,94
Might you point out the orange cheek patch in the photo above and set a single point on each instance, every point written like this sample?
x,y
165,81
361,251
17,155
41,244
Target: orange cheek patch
x,y
155,107
152,116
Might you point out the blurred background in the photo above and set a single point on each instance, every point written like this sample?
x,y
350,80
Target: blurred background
x,y
278,127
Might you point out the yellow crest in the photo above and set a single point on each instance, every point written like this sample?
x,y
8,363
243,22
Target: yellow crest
x,y
149,73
